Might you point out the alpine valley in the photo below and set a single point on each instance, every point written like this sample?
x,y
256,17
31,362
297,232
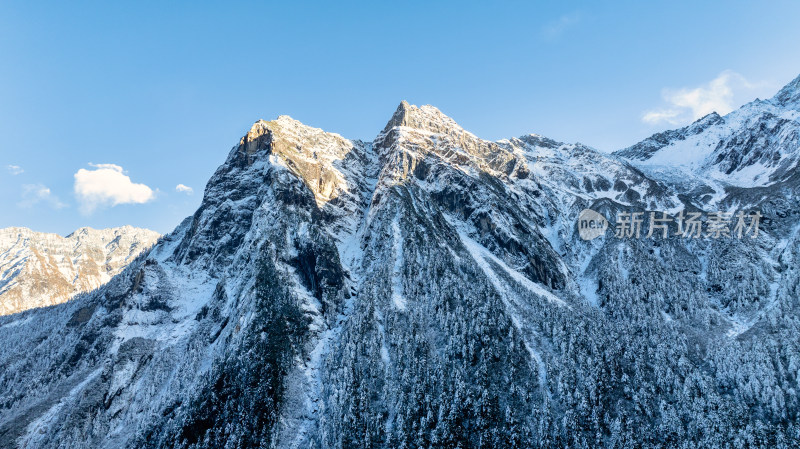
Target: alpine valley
x,y
429,289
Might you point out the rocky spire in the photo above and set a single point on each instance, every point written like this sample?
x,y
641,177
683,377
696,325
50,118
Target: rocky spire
x,y
413,132
400,116
424,118
258,138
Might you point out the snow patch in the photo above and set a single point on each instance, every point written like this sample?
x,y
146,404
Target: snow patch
x,y
481,254
397,270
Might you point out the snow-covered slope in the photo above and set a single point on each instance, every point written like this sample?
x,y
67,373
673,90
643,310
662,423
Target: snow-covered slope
x,y
39,269
756,145
425,289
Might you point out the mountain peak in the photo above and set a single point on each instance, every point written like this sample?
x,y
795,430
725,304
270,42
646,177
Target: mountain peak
x,y
263,133
647,148
401,115
258,138
425,118
789,96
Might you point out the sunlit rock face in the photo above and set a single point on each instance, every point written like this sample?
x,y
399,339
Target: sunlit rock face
x,y
39,269
430,289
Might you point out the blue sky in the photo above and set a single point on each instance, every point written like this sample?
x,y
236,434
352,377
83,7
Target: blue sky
x,y
154,95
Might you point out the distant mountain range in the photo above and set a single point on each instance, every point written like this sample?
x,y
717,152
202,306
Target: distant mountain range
x,y
39,269
431,289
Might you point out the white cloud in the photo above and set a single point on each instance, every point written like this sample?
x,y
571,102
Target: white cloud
x,y
556,28
33,194
184,189
15,170
688,104
662,115
107,185
114,167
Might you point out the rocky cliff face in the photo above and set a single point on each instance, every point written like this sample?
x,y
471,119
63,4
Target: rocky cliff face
x,y
425,289
39,269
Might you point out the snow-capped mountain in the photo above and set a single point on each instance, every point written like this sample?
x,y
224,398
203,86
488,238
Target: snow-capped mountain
x,y
39,269
429,289
756,145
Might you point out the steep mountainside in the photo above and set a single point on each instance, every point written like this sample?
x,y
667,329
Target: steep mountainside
x,y
39,269
425,289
